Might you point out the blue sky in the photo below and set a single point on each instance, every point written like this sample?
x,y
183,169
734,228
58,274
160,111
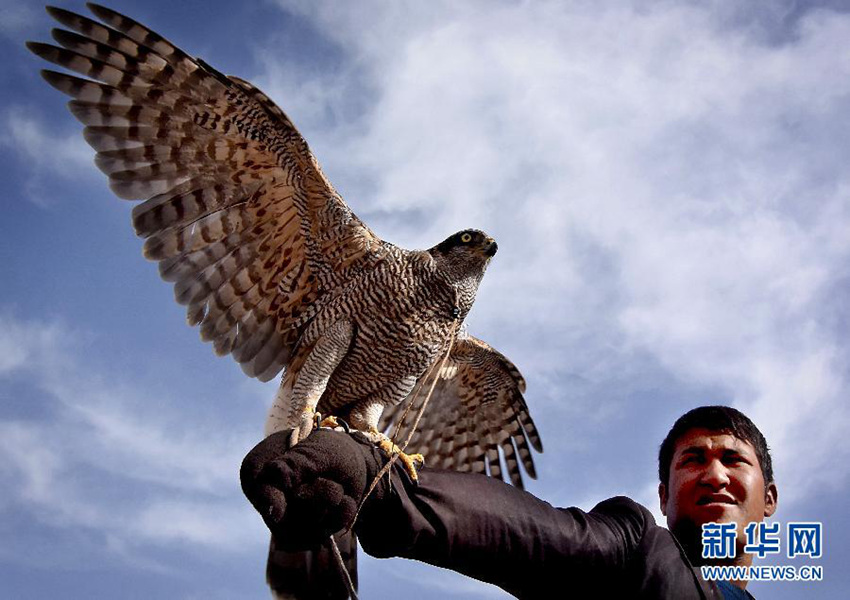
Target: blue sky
x,y
668,186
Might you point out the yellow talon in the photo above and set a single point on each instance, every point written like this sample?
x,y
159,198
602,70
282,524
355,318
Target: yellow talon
x,y
330,421
408,460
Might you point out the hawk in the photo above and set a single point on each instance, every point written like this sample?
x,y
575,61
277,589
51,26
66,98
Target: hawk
x,y
274,267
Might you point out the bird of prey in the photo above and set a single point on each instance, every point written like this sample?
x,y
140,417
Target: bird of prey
x,y
273,266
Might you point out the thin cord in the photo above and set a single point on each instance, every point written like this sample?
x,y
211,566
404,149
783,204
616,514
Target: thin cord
x,y
346,576
393,458
420,383
452,337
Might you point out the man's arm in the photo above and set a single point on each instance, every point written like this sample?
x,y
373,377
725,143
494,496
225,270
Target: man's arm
x,y
469,523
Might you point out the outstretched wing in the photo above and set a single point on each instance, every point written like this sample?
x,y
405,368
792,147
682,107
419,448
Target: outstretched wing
x,y
476,410
237,210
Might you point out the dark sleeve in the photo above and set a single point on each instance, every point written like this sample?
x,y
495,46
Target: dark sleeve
x,y
497,533
469,523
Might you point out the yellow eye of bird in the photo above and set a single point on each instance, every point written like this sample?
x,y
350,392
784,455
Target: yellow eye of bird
x,y
466,238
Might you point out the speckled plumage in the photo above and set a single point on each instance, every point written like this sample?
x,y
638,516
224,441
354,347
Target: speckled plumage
x,y
271,264
400,315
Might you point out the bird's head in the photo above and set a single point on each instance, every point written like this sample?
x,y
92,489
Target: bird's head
x,y
466,253
467,243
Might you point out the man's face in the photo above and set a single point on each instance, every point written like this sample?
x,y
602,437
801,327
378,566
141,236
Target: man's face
x,y
715,478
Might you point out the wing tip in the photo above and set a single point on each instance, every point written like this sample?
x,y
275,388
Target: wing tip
x,y
40,49
100,11
59,13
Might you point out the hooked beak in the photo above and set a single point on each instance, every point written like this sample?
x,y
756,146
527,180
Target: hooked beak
x,y
491,248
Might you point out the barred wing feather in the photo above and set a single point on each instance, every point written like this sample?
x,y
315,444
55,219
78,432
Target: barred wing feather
x,y
236,209
476,411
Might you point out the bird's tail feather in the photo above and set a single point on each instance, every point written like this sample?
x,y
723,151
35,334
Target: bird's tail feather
x,y
313,574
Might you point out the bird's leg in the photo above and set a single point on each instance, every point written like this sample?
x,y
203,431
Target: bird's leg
x,y
409,461
310,420
330,422
365,415
335,423
300,392
306,424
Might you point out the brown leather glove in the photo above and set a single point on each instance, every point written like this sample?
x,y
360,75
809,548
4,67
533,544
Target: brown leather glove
x,y
310,491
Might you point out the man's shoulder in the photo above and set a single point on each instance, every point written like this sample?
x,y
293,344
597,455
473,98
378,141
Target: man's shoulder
x,y
625,509
658,564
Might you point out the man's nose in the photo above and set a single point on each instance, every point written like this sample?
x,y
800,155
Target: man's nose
x,y
715,475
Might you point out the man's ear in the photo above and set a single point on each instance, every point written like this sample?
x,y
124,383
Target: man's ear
x,y
662,498
771,499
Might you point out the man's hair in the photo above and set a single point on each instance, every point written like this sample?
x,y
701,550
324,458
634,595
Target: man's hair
x,y
719,419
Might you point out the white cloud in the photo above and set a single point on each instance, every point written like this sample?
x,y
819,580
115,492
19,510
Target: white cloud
x,y
218,525
104,462
666,178
69,155
43,151
15,17
26,458
21,344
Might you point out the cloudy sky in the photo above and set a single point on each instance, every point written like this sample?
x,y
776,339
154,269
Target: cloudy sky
x,y
668,185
